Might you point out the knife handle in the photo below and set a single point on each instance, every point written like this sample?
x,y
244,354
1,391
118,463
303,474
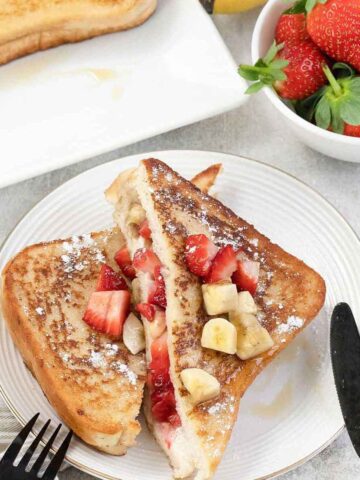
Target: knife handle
x,y
230,6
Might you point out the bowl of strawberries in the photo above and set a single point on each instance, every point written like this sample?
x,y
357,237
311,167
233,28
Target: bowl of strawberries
x,y
307,56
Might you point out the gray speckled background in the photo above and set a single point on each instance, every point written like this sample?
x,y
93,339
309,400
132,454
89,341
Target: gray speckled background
x,y
256,131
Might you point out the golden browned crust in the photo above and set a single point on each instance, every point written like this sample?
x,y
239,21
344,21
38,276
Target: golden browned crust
x,y
93,383
206,179
289,296
29,26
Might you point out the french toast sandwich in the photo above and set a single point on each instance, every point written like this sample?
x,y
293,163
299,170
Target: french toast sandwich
x,y
93,382
29,26
192,413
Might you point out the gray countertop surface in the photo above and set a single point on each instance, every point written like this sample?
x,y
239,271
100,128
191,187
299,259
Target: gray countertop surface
x,y
257,131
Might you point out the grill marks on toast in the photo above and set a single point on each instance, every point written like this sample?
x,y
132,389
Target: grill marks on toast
x,y
289,296
94,383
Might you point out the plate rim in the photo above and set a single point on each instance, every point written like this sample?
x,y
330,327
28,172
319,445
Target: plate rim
x,y
158,153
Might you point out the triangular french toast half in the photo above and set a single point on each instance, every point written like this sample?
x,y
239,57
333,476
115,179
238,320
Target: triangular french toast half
x,y
288,296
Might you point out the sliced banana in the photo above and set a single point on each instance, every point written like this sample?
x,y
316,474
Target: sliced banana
x,y
252,338
200,384
246,303
133,334
135,291
136,215
219,297
219,334
158,326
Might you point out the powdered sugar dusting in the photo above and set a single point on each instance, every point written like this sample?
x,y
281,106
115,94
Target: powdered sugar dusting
x,y
71,258
293,323
96,359
123,368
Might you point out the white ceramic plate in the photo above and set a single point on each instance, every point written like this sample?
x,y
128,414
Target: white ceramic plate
x,y
76,101
291,412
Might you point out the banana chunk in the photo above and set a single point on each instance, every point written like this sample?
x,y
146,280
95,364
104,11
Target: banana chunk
x,y
158,326
135,291
219,334
133,334
136,215
219,297
252,338
245,304
200,384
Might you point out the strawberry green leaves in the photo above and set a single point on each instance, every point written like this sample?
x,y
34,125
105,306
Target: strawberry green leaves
x,y
336,105
303,6
340,103
266,70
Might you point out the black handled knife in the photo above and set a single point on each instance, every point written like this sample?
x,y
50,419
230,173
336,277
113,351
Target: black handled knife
x,y
345,356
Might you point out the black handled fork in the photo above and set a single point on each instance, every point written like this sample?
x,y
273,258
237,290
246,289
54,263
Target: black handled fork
x,y
8,471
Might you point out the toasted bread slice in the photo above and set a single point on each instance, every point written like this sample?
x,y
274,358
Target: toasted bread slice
x,y
289,296
94,383
27,27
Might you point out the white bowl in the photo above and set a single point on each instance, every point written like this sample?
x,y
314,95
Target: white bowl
x,y
333,144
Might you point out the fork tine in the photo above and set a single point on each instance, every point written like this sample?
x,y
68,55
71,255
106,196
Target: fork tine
x,y
41,458
18,442
55,464
29,452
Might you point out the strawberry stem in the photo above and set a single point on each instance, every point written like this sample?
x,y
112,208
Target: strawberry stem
x,y
333,82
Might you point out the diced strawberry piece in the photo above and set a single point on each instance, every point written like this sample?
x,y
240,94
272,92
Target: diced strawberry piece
x,y
118,311
122,258
107,311
157,295
164,408
146,261
110,280
146,310
144,230
174,419
199,253
95,314
159,353
246,276
223,265
162,396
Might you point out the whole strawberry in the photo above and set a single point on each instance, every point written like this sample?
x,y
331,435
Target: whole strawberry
x,y
291,27
352,130
334,25
293,69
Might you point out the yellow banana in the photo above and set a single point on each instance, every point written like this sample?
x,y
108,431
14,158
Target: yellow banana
x,y
230,6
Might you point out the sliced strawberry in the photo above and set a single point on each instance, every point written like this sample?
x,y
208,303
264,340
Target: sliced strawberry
x,y
110,280
199,253
223,265
146,310
95,314
146,261
246,276
122,258
157,295
107,311
144,230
